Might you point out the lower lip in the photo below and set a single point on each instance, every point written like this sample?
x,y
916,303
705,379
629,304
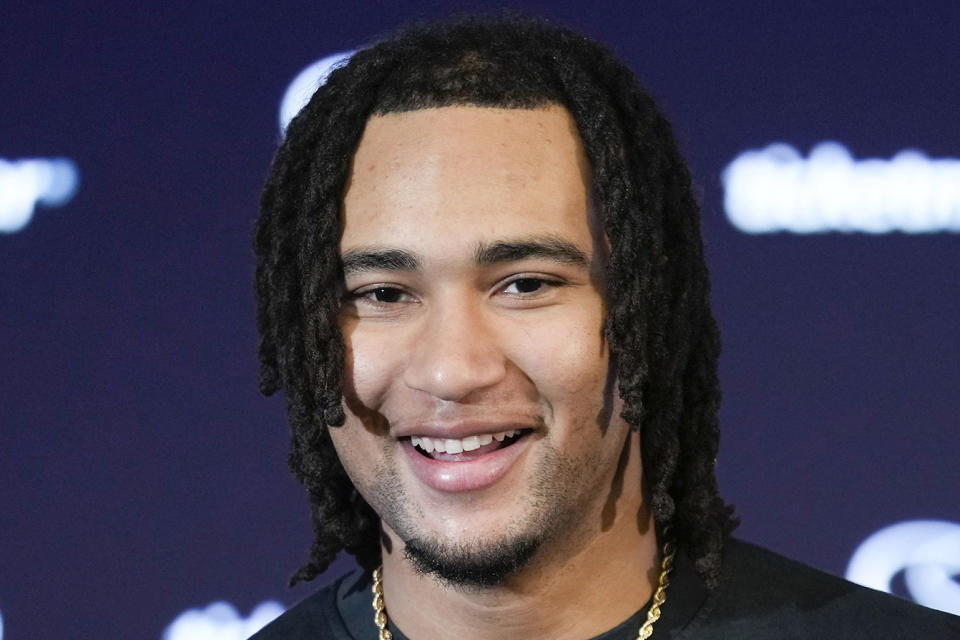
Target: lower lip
x,y
468,475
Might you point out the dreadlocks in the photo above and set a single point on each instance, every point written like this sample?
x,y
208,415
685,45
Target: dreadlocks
x,y
662,335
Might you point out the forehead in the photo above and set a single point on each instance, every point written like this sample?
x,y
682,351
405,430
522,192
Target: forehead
x,y
485,173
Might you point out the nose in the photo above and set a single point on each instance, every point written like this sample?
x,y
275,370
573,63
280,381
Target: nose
x,y
455,355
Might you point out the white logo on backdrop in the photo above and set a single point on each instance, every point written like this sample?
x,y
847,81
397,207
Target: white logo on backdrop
x,y
928,553
26,183
776,189
1,627
300,90
221,621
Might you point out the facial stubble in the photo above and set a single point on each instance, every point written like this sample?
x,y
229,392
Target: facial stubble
x,y
487,562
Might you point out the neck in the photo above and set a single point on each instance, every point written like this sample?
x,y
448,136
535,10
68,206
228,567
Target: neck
x,y
607,566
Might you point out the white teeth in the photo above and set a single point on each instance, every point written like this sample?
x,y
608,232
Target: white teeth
x,y
423,442
470,443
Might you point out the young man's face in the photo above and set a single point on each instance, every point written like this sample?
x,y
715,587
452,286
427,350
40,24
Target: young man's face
x,y
482,423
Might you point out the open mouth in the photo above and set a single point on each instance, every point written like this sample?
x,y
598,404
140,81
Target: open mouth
x,y
469,448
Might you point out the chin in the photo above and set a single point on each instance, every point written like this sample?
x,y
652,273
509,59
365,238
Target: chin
x,y
477,566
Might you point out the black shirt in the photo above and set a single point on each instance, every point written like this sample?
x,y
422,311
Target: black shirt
x,y
761,596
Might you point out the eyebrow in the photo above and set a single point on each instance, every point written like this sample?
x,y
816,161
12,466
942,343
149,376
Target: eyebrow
x,y
548,247
374,259
367,259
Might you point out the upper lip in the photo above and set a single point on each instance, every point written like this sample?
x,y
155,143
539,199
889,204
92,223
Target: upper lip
x,y
461,429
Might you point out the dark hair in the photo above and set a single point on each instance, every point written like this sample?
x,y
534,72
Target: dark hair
x,y
663,338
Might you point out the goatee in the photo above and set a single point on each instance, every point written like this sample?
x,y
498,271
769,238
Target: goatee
x,y
464,567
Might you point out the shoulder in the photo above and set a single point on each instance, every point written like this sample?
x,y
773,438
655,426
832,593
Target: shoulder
x,y
323,614
763,594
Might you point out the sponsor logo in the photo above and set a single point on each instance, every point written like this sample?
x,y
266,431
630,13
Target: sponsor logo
x,y
776,189
26,183
222,621
303,86
926,551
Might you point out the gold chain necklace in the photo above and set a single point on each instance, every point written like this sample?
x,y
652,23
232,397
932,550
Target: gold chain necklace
x,y
646,629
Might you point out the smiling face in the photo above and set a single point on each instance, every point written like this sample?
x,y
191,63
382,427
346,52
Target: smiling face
x,y
481,418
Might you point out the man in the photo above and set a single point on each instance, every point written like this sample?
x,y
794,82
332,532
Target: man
x,y
481,288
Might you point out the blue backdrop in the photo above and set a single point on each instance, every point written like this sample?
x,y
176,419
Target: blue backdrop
x,y
141,474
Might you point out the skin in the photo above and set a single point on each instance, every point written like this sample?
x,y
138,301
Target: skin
x,y
445,342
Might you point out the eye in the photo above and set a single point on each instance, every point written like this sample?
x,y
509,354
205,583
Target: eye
x,y
380,295
384,295
528,285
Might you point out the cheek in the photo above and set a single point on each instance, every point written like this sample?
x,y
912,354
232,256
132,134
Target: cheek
x,y
566,360
368,373
355,453
371,364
